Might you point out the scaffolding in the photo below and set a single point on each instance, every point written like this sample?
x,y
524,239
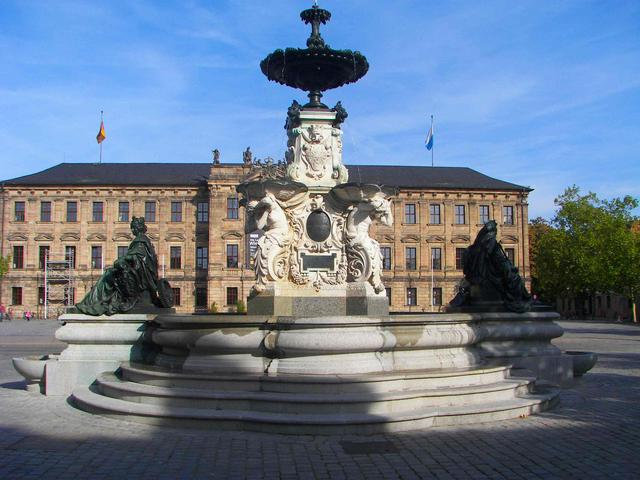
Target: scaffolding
x,y
59,291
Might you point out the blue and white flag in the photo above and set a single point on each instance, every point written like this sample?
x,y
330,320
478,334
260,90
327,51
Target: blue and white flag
x,y
428,142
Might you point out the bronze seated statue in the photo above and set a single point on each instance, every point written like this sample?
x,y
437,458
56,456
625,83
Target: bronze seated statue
x,y
133,278
489,276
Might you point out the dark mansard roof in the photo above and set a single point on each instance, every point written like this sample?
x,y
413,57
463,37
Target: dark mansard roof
x,y
194,174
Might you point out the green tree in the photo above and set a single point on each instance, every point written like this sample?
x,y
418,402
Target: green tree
x,y
4,268
628,281
4,265
537,228
241,307
588,247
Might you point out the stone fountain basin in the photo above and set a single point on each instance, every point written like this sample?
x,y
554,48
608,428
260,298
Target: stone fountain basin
x,y
582,361
32,366
338,345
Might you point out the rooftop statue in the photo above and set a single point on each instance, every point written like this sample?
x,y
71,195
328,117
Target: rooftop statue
x,y
132,278
490,276
247,157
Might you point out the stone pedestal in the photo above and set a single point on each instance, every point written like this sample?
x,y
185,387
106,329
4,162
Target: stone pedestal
x,y
95,345
291,300
523,340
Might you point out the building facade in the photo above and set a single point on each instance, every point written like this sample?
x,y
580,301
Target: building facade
x,y
64,225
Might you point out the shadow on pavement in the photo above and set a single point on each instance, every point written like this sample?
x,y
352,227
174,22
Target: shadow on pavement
x,y
593,433
19,385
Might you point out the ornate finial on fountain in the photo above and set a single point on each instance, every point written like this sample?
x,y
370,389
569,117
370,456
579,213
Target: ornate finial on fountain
x,y
315,16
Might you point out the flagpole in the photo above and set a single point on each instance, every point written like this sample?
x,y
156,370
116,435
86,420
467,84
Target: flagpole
x,y
433,145
101,120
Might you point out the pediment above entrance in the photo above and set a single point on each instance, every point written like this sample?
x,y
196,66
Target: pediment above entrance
x,y
96,237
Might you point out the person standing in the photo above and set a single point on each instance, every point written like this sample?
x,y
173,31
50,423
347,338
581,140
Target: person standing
x,y
10,314
27,315
3,311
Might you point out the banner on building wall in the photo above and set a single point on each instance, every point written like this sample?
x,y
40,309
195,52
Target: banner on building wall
x,y
252,246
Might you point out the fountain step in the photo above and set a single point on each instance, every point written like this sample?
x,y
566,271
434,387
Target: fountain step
x,y
361,402
333,423
374,383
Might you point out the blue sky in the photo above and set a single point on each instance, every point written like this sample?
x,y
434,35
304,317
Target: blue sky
x,y
540,93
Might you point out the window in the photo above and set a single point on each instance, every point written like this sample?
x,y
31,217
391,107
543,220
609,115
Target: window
x,y
410,213
45,211
412,296
232,295
123,211
72,211
232,255
43,256
410,255
202,258
97,214
176,211
388,292
202,212
69,296
386,257
460,258
176,296
511,255
483,214
232,208
122,250
96,257
175,257
507,215
437,296
18,212
434,214
436,258
201,296
18,257
16,295
70,255
460,215
150,211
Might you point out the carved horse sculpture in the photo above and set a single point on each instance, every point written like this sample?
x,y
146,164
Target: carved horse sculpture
x,y
269,216
365,259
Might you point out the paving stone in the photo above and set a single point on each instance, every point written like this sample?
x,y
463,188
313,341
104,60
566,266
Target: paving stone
x,y
594,432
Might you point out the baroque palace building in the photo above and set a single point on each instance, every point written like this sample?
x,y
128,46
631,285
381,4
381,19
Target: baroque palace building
x,y
69,222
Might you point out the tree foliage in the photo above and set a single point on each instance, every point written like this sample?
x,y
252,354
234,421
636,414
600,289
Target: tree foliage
x,y
4,265
590,246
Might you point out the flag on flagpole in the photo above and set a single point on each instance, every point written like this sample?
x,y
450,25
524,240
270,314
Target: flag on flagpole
x,y
101,134
428,142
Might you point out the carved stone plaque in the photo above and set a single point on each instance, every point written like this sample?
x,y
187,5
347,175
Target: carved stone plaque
x,y
318,226
318,262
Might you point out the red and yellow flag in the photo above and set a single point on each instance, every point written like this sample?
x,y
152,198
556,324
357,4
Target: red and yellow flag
x,y
101,135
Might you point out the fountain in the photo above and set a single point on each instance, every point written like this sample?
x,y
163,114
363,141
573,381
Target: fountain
x,y
318,351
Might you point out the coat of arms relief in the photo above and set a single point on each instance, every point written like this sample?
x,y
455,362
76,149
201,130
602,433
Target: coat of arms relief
x,y
315,152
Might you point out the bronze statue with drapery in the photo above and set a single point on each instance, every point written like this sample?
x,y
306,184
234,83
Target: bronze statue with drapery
x,y
489,275
133,279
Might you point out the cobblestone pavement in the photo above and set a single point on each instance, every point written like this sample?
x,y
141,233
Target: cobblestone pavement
x,y
594,433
